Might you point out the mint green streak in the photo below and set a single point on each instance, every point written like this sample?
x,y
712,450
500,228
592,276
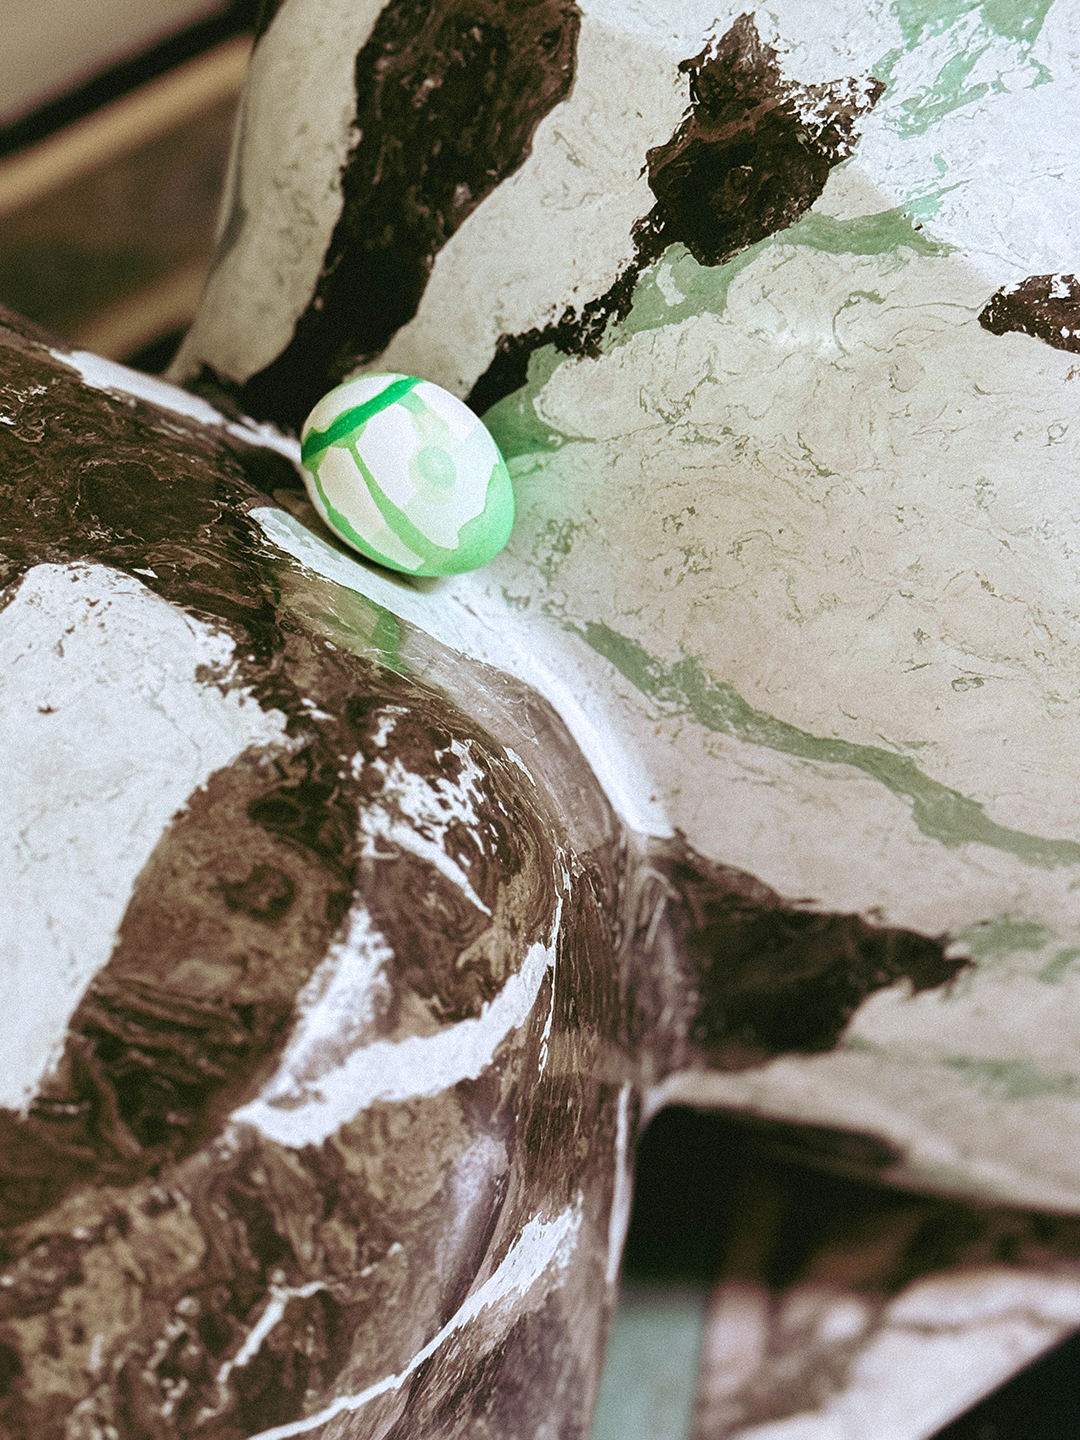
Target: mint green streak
x,y
1020,21
877,234
932,16
705,287
1059,966
653,1359
1016,19
943,814
519,430
513,421
318,440
922,110
386,638
1003,936
1012,1079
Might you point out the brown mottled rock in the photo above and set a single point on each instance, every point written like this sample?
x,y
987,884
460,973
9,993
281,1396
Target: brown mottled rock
x,y
354,927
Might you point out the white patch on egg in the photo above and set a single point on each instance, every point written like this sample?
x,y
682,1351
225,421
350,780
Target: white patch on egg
x,y
389,438
346,489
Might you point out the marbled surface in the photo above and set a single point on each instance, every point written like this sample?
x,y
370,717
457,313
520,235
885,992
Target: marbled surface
x,y
760,320
765,1298
327,1113
313,1110
413,901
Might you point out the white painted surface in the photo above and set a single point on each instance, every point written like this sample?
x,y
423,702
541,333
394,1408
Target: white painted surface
x,y
295,131
107,732
558,231
417,812
109,375
274,1309
463,614
986,1126
119,379
834,504
619,1219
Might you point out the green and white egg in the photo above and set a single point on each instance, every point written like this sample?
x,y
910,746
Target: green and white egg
x,y
405,473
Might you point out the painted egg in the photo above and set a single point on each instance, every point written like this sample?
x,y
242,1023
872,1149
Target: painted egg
x,y
405,473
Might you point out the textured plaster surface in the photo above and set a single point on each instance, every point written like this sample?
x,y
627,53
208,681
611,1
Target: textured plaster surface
x,y
796,566
558,230
279,865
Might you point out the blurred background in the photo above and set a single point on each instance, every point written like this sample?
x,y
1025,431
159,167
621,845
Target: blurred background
x,y
115,125
763,1272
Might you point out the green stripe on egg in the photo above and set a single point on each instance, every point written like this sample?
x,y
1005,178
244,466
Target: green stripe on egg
x,y
406,474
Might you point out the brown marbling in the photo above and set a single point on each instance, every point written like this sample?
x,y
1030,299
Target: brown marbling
x,y
171,1270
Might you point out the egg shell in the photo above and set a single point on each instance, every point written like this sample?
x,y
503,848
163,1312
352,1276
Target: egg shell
x,y
405,473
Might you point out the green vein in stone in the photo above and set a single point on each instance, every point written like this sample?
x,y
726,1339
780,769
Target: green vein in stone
x,y
386,638
686,688
318,440
705,287
1006,935
978,25
357,618
882,233
334,608
1020,20
514,422
1012,1079
1064,961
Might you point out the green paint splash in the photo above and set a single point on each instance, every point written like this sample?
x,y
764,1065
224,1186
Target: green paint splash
x,y
1012,1079
978,26
943,814
316,441
882,233
1004,936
